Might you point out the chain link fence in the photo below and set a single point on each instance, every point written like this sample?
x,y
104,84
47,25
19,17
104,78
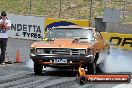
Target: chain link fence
x,y
50,8
71,9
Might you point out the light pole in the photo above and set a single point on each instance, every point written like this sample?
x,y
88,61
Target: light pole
x,y
30,7
90,11
124,8
60,9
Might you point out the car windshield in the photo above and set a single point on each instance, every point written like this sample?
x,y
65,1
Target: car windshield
x,y
71,33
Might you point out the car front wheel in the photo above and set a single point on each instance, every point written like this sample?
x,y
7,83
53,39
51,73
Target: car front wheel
x,y
38,68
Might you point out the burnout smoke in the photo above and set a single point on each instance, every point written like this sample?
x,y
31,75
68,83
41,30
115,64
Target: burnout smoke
x,y
118,61
29,63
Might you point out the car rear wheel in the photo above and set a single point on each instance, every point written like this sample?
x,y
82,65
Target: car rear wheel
x,y
38,68
91,68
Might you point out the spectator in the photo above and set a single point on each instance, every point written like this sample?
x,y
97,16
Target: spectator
x,y
4,26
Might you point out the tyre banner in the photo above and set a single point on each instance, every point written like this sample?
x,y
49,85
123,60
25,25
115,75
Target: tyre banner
x,y
26,27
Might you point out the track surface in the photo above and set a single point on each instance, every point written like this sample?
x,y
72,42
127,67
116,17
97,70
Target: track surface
x,y
20,76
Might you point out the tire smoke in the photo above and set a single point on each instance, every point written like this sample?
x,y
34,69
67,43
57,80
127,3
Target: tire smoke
x,y
29,63
118,61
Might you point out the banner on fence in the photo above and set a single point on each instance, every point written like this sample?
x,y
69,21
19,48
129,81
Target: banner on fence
x,y
26,27
54,22
118,40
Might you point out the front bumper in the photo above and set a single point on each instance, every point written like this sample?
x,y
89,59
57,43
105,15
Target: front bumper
x,y
70,59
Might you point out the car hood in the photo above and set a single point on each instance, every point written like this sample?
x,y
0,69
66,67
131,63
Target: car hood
x,y
62,43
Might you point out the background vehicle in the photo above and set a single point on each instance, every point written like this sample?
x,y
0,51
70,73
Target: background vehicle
x,y
69,47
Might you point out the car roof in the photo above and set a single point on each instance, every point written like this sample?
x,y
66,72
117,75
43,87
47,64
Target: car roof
x,y
74,26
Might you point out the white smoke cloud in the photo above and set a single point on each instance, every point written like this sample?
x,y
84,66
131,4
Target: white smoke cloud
x,y
29,63
118,61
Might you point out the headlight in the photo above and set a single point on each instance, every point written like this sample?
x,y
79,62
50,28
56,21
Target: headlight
x,y
89,51
40,51
32,50
81,51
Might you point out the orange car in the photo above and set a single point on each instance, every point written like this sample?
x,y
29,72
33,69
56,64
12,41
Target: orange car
x,y
70,47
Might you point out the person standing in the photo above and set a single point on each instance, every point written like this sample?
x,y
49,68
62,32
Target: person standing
x,y
5,24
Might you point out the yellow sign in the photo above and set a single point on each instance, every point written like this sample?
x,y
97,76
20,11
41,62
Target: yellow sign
x,y
118,40
54,22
